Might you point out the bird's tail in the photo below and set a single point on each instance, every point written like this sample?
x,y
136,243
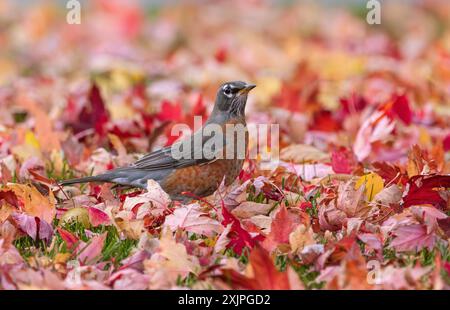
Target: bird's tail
x,y
125,176
96,178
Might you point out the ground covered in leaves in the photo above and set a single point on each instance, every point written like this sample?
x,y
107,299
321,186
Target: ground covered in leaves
x,y
358,200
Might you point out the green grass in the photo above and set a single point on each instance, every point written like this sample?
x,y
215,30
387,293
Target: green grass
x,y
66,171
313,211
243,258
281,262
28,247
308,276
114,250
187,281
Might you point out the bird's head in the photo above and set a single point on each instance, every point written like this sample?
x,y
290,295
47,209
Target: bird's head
x,y
232,97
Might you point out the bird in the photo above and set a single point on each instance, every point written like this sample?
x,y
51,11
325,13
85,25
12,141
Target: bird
x,y
201,172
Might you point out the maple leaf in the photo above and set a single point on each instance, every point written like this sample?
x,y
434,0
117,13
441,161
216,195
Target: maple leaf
x,y
128,279
375,128
45,133
342,161
170,262
239,237
446,143
9,197
70,239
419,162
372,183
265,276
282,226
247,209
98,217
91,253
425,190
303,153
390,172
351,201
34,227
191,219
400,108
412,238
93,115
34,203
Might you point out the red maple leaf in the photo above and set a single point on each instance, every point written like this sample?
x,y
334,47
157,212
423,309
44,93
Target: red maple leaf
x,y
425,190
266,276
401,109
342,161
239,237
93,114
282,225
390,172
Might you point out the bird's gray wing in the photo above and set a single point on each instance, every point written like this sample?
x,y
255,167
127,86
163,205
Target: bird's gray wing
x,y
164,159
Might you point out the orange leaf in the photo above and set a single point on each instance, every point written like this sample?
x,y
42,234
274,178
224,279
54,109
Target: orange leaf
x,y
34,202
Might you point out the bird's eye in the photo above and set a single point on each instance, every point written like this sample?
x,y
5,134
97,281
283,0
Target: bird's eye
x,y
227,91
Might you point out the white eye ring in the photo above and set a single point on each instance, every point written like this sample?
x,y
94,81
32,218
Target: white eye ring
x,y
227,91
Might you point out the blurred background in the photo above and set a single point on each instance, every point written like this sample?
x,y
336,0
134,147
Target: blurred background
x,y
315,62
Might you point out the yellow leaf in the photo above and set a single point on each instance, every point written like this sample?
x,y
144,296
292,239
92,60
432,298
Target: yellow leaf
x,y
30,139
34,202
373,184
177,258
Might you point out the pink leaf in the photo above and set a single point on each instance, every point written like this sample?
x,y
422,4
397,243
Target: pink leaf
x,y
34,227
93,250
376,128
98,217
412,238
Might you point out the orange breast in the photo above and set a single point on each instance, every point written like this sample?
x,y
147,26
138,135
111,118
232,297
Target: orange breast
x,y
202,180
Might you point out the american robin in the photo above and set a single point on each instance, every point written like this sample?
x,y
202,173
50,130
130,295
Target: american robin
x,y
209,157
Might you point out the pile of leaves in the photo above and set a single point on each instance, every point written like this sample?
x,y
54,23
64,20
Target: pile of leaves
x,y
359,198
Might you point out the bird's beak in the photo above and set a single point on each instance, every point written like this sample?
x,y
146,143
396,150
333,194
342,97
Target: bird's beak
x,y
246,89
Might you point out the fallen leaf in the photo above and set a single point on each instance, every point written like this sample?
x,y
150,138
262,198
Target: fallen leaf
x,y
372,183
303,153
190,218
238,236
426,190
264,275
34,227
282,226
412,238
34,203
91,253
